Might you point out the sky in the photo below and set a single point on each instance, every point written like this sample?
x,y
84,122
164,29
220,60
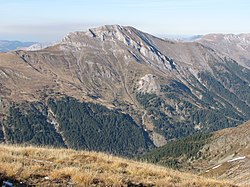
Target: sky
x,y
51,20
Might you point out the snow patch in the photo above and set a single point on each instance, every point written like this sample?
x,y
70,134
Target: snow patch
x,y
216,166
238,158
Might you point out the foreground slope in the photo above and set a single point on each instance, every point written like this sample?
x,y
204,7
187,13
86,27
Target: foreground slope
x,y
61,167
223,155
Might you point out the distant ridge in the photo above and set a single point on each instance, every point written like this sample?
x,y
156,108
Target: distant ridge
x,y
236,46
6,45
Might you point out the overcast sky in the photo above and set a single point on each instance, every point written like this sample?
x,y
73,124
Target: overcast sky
x,y
50,20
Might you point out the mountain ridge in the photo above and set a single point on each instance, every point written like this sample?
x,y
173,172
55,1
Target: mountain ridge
x,y
170,89
235,46
6,45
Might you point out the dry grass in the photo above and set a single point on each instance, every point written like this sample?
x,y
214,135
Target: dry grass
x,y
61,167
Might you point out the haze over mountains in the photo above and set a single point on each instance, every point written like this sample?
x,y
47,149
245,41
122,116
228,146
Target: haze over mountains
x,y
6,45
119,90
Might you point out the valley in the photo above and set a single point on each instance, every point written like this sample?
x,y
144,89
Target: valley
x,y
118,90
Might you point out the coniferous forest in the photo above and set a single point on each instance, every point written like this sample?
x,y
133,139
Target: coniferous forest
x,y
85,126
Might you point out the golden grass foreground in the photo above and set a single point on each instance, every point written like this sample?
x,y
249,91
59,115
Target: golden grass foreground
x,y
65,167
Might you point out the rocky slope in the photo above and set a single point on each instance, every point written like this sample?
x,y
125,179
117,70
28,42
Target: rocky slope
x,y
169,89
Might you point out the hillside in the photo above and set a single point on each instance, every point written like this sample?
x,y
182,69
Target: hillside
x,y
66,122
223,155
227,155
163,90
62,167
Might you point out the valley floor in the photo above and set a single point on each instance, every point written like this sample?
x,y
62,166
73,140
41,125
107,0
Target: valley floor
x,y
64,167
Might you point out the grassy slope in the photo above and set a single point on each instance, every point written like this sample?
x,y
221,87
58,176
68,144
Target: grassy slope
x,y
53,167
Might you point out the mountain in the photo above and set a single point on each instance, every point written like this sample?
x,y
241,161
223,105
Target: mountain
x,y
32,166
82,88
6,45
224,154
235,46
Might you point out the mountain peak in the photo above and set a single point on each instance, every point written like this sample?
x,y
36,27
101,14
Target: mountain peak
x,y
107,28
108,32
126,36
103,32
